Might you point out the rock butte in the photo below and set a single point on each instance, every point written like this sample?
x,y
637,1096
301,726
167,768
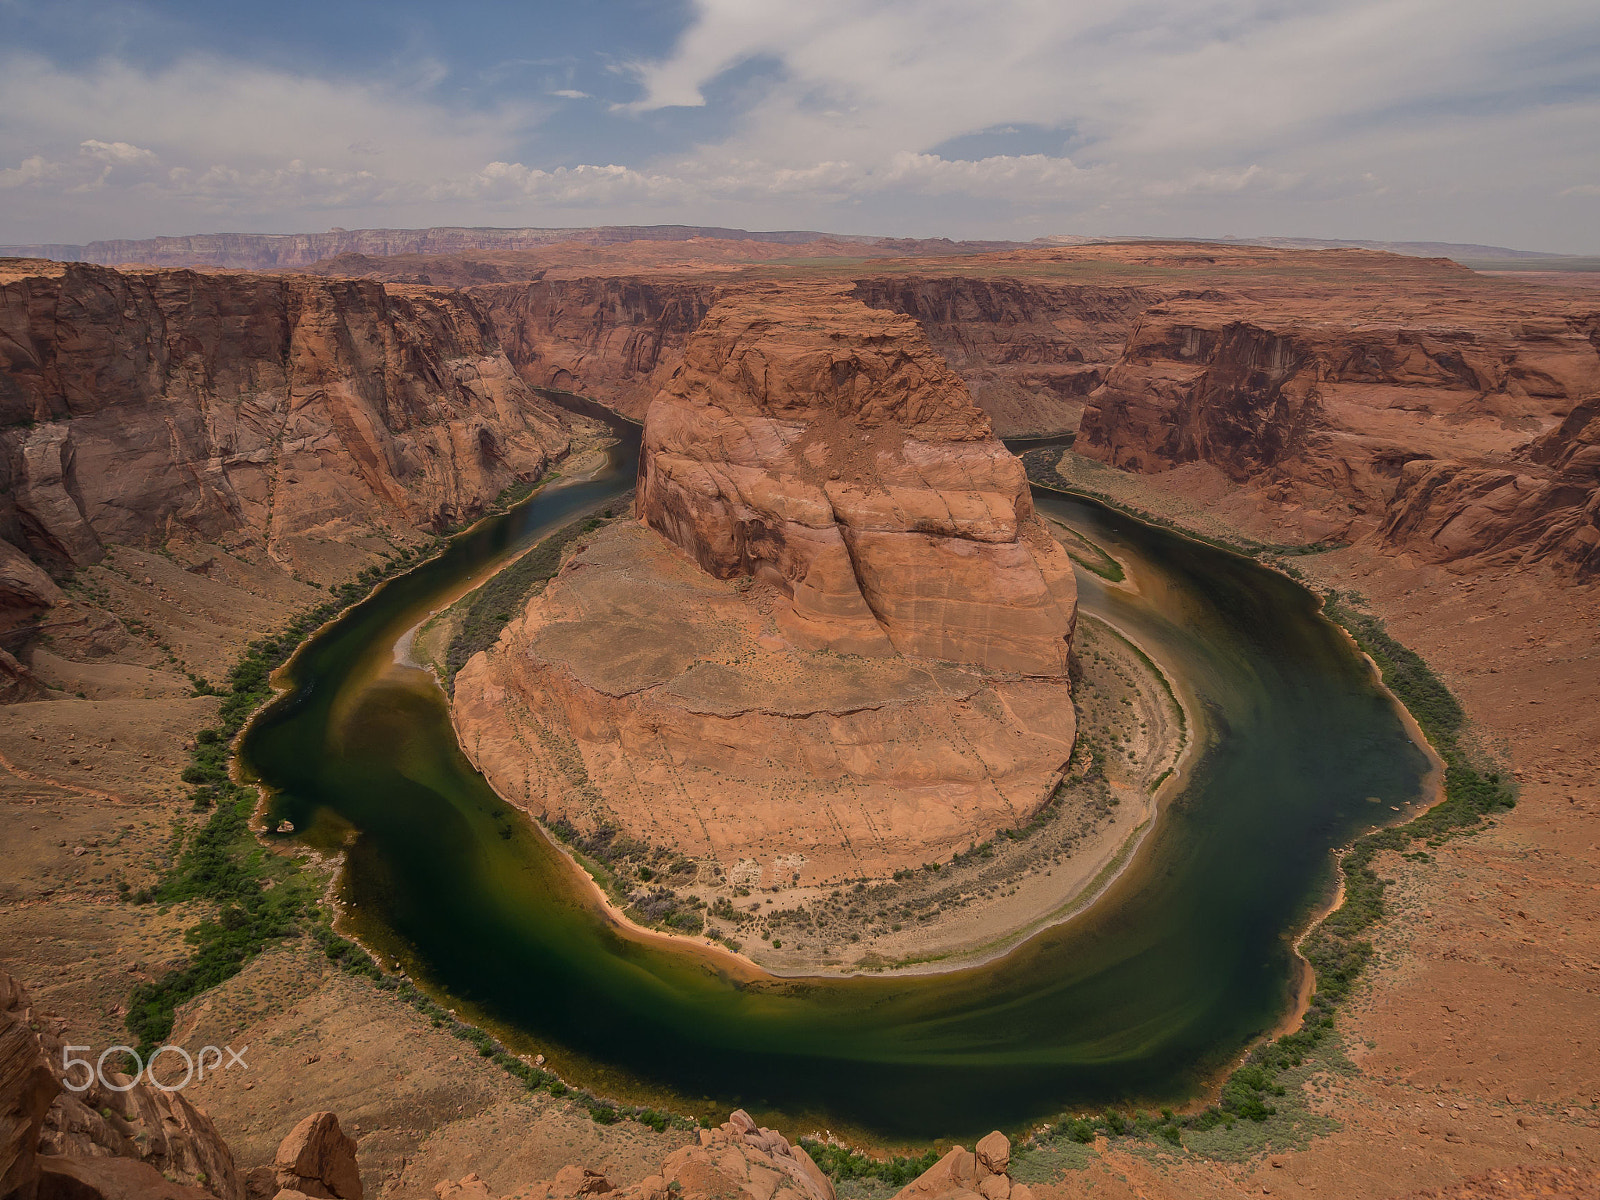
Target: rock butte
x,y
836,641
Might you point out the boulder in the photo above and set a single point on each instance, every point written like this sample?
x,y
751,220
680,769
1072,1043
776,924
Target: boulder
x,y
994,1152
319,1159
954,1174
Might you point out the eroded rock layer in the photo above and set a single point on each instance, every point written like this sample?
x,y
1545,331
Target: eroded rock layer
x,y
639,692
836,642
823,447
138,405
1456,423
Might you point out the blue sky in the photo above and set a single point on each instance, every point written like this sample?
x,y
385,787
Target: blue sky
x,y
1454,120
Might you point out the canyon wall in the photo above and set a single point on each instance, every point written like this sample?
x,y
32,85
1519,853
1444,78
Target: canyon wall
x,y
141,405
616,340
1465,433
835,642
1029,350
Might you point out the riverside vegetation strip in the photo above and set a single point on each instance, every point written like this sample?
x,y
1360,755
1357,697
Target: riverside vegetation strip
x,y
261,897
1337,947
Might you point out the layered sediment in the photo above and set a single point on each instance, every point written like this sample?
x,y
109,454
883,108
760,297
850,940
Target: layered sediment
x,y
137,406
835,642
1460,426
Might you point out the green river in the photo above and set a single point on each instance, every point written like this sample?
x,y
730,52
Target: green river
x,y
1147,996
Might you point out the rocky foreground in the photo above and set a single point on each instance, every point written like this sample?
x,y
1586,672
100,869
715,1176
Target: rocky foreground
x,y
81,1134
835,642
739,1160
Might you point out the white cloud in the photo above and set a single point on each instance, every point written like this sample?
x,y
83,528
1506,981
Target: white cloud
x,y
240,144
33,170
117,154
1176,106
1461,120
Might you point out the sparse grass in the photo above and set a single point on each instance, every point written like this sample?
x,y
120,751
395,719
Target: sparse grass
x,y
842,1163
256,897
487,611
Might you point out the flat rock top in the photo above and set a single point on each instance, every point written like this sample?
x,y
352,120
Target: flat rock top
x,y
820,354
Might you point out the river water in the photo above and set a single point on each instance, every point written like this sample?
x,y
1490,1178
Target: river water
x,y
1145,997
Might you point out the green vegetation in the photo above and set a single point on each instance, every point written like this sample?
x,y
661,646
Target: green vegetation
x,y
487,611
842,1163
1090,556
618,862
259,897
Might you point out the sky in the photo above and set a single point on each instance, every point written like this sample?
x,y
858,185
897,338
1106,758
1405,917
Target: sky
x,y
1436,120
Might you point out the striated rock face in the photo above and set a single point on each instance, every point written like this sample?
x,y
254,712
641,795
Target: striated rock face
x,y
835,645
126,1139
1465,433
616,340
138,405
641,693
1544,509
27,1088
1030,351
824,448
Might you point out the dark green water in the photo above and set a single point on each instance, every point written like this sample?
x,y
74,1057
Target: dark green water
x,y
1145,997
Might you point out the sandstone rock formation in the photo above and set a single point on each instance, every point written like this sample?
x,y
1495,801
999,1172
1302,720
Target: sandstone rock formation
x,y
641,693
982,1173
823,447
138,403
843,653
1030,350
27,1088
1545,508
741,1161
318,1159
616,339
135,406
1450,422
116,1138
736,1161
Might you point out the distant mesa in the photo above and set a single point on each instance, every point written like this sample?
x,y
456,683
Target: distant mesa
x,y
280,251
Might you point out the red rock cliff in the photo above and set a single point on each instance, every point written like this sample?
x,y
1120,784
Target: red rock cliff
x,y
1455,423
138,404
824,447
